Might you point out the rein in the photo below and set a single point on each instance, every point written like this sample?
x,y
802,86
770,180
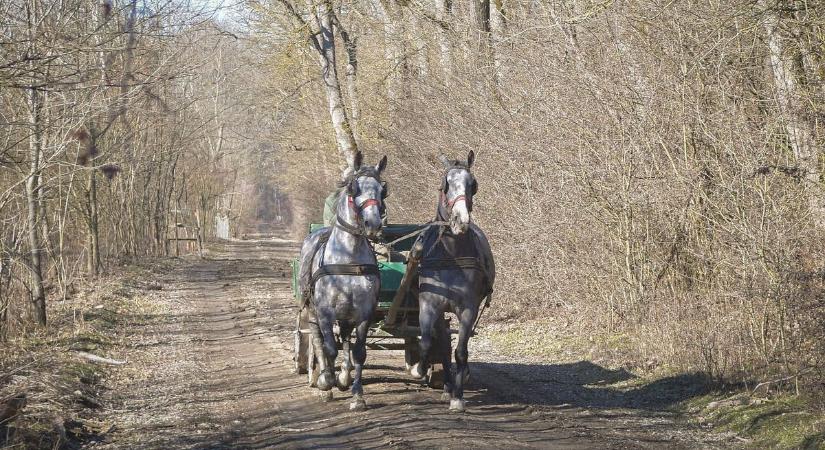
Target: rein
x,y
416,232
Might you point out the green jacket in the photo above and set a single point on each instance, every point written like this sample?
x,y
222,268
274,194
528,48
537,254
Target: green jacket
x,y
329,207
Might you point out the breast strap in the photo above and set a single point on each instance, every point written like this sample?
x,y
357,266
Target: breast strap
x,y
455,263
337,269
344,269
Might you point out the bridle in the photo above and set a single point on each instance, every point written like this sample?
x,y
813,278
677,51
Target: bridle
x,y
445,187
450,203
358,229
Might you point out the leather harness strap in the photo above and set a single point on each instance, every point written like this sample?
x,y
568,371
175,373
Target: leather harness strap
x,y
343,269
455,263
351,229
337,269
464,262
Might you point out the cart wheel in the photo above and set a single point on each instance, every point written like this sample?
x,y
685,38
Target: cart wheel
x,y
301,344
312,365
435,376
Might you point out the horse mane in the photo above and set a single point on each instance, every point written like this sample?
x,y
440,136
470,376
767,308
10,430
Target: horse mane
x,y
363,171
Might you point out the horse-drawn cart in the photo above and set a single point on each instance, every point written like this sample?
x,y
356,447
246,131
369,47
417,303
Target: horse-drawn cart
x,y
395,322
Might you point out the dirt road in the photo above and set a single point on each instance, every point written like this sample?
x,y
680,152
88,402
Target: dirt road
x,y
212,369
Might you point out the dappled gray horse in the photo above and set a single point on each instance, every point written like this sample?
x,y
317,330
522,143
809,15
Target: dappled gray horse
x,y
340,278
456,274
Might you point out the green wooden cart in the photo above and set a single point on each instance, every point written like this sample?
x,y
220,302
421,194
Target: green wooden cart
x,y
395,322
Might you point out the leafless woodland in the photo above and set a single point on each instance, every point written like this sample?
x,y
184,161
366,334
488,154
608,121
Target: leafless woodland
x,y
649,168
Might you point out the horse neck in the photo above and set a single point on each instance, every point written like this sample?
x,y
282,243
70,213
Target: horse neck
x,y
342,243
441,213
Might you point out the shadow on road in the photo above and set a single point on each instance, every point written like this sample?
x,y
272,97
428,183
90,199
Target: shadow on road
x,y
584,384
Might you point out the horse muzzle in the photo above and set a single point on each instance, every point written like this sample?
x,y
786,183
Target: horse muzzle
x,y
458,226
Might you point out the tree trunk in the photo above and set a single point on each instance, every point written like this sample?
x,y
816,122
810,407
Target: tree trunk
x,y
33,200
483,37
444,16
92,246
419,38
329,74
393,48
351,45
480,16
498,27
788,97
38,293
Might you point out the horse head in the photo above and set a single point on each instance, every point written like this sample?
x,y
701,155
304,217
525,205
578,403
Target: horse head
x,y
365,194
458,186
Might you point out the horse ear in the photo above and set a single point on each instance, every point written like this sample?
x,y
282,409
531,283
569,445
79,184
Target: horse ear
x,y
445,161
357,160
381,164
470,158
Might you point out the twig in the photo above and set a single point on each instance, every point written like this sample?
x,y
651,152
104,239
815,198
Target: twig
x,y
790,377
100,359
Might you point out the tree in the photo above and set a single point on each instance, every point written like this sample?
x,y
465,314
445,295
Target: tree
x,y
321,36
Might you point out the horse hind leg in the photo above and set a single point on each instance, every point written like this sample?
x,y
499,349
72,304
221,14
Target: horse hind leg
x,y
466,317
345,375
359,356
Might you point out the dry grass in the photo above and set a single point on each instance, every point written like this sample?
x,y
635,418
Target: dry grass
x,y
63,390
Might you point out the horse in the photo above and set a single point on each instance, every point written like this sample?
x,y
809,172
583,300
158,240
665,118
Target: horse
x,y
456,274
340,279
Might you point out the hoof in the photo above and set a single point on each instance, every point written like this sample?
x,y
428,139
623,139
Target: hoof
x,y
325,381
457,405
445,397
407,367
344,381
416,371
326,396
358,404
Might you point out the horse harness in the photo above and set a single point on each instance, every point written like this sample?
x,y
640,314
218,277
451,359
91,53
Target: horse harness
x,y
357,230
431,264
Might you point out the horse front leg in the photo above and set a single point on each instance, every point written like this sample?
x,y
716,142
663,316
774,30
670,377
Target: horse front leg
x,y
466,317
345,375
359,356
329,351
444,350
426,321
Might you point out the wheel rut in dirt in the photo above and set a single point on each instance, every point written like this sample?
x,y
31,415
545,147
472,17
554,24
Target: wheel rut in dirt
x,y
213,369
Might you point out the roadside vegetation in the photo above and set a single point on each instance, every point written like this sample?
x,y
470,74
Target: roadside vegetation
x,y
53,382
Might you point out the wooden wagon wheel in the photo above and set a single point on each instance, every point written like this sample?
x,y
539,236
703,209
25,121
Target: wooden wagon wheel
x,y
312,365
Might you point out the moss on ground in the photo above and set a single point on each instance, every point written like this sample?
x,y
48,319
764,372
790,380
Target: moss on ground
x,y
783,422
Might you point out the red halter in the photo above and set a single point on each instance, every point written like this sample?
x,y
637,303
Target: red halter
x,y
366,204
452,202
